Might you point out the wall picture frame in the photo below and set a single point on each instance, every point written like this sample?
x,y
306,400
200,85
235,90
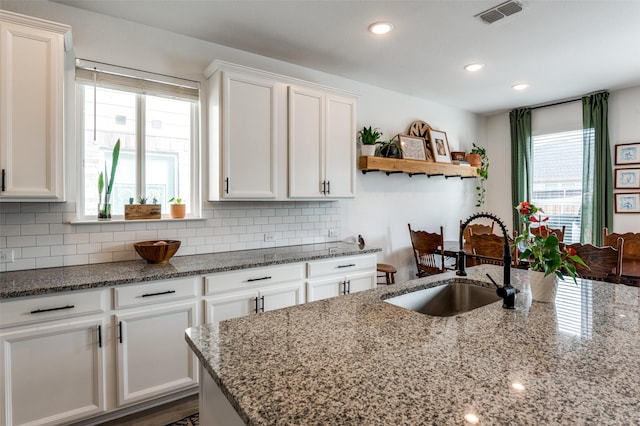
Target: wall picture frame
x,y
440,146
413,147
627,202
627,153
627,179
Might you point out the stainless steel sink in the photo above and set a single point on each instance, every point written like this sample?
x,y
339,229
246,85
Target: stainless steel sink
x,y
446,300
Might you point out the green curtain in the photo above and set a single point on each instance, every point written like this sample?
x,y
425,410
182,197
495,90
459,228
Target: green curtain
x,y
521,170
597,176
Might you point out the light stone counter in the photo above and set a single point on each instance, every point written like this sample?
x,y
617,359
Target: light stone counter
x,y
355,360
54,280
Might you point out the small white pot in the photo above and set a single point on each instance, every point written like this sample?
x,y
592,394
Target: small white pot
x,y
543,289
368,150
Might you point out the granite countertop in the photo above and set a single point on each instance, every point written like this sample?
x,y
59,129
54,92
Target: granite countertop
x,y
355,360
53,280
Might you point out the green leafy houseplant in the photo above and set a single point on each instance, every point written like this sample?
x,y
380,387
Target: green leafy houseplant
x,y
175,200
105,182
543,251
483,173
177,209
369,136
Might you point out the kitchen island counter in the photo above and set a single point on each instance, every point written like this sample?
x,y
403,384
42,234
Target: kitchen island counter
x,y
356,360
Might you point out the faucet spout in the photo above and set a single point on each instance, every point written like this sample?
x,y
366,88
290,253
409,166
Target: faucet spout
x,y
507,292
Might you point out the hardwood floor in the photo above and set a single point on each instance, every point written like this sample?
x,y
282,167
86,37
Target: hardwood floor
x,y
160,416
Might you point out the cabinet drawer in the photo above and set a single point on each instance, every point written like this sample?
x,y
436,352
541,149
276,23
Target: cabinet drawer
x,y
251,278
154,292
340,265
47,308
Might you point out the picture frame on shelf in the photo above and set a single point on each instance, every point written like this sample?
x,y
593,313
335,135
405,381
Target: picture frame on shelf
x,y
440,146
627,179
627,202
627,153
413,147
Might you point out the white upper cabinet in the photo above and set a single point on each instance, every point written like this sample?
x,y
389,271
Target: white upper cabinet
x,y
243,136
31,108
267,144
322,148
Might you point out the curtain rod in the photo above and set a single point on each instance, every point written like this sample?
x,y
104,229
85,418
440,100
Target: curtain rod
x,y
90,64
557,103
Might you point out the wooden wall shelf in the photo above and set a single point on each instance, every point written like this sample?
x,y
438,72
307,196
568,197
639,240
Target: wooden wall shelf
x,y
415,167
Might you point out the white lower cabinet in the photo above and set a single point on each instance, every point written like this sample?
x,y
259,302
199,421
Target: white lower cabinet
x,y
153,356
53,371
335,277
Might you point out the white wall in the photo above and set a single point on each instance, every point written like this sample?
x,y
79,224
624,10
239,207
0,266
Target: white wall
x,y
380,212
624,127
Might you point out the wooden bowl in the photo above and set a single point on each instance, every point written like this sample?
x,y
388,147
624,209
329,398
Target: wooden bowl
x,y
158,251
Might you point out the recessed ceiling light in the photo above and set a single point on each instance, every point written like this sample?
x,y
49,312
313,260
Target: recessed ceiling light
x,y
520,86
380,28
473,67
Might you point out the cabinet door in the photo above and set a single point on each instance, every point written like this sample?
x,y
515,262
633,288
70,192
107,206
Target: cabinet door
x,y
31,108
306,143
325,288
249,129
282,296
232,305
361,281
153,357
340,147
52,375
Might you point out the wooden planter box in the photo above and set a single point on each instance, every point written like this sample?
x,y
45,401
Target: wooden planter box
x,y
142,211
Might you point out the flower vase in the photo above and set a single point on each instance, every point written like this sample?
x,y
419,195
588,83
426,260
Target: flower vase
x,y
543,288
104,211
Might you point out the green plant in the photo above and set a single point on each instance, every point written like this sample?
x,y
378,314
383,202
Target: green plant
x,y
106,183
175,200
542,250
483,173
369,136
390,148
142,200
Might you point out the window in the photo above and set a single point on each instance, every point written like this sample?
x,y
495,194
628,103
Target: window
x,y
557,179
157,125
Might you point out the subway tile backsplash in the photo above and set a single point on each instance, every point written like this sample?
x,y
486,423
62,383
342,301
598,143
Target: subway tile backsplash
x,y
41,235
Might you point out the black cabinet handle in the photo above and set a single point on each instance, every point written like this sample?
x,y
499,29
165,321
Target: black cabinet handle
x,y
258,279
262,307
99,336
4,176
344,287
328,187
346,266
226,185
120,331
324,187
255,300
348,286
158,294
60,308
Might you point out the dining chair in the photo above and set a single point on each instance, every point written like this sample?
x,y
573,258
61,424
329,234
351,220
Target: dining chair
x,y
630,257
488,248
476,228
427,249
603,263
546,231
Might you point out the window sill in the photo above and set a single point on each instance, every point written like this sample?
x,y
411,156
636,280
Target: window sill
x,y
122,220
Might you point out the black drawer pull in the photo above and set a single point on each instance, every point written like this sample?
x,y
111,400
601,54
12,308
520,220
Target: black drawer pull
x,y
347,266
159,294
258,279
60,308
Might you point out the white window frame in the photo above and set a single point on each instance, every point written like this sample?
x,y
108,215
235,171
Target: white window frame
x,y
193,199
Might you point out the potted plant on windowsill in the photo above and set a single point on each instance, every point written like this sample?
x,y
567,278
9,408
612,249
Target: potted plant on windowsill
x,y
177,209
105,182
142,210
369,138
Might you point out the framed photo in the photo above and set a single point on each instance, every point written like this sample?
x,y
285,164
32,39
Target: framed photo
x,y
412,147
439,146
628,202
627,178
627,153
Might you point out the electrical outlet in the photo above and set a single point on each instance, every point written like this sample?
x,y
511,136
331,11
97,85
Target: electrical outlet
x,y
6,255
333,232
268,238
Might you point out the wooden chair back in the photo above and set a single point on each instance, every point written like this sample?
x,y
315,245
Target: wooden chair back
x,y
489,246
545,232
631,243
604,263
427,250
476,228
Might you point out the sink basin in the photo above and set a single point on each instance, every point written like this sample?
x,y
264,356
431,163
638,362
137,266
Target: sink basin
x,y
446,300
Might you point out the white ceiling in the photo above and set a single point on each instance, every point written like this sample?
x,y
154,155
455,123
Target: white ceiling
x,y
562,48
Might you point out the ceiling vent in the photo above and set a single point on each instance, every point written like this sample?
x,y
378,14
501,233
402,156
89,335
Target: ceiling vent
x,y
500,11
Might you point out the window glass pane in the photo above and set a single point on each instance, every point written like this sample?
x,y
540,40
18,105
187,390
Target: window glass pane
x,y
115,118
167,150
557,180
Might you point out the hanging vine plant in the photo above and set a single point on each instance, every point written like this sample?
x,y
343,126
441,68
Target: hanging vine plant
x,y
483,173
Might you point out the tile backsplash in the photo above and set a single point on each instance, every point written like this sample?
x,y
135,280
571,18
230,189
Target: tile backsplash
x,y
41,235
